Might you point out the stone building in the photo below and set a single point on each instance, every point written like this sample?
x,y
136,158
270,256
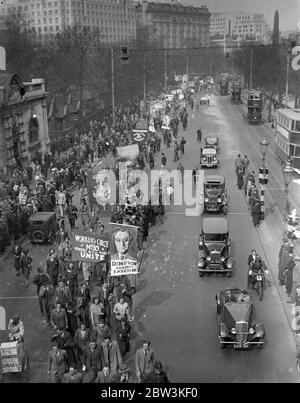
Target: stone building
x,y
174,25
23,121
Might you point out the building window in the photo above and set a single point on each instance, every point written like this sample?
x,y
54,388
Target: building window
x,y
33,129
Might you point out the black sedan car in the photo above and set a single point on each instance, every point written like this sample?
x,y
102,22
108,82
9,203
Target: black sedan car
x,y
236,324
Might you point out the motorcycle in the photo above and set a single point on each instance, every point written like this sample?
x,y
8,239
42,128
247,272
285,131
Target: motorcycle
x,y
258,281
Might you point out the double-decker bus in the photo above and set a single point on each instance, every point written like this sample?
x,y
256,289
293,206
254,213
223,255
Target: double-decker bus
x,y
287,138
235,92
252,101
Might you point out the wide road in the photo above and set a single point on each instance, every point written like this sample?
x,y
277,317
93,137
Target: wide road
x,y
174,308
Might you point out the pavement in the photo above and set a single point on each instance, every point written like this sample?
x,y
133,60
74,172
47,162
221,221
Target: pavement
x,y
174,308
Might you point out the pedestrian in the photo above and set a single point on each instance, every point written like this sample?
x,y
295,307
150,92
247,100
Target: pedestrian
x,y
195,174
182,144
40,280
84,215
63,294
59,317
71,212
199,134
65,341
238,163
92,362
26,265
17,252
125,375
73,376
73,322
144,361
245,163
157,375
123,335
52,265
288,275
96,312
82,339
71,279
61,202
163,160
111,354
47,294
57,364
284,255
175,152
105,376
256,212
240,179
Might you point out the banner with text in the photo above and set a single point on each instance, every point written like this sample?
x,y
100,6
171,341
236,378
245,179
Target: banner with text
x,y
123,250
89,247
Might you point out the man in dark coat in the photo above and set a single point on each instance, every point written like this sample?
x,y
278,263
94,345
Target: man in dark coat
x,y
65,341
41,279
73,322
288,275
182,143
92,362
157,375
52,267
284,255
17,252
256,212
71,212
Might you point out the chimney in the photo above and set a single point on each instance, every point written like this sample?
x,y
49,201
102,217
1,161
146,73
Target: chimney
x,y
2,58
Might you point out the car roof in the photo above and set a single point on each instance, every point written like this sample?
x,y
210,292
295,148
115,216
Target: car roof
x,y
214,178
41,216
212,225
211,137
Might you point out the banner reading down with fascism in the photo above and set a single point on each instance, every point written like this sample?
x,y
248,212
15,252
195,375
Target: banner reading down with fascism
x,y
90,248
123,250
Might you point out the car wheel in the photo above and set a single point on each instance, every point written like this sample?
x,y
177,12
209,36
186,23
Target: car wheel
x,y
201,274
260,346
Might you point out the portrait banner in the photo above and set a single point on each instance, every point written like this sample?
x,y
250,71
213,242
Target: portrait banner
x,y
139,136
123,250
89,247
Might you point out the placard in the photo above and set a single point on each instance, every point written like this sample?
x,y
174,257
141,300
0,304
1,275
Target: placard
x,y
89,247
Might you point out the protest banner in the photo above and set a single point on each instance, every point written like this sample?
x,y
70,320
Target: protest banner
x,y
123,250
139,136
128,153
89,247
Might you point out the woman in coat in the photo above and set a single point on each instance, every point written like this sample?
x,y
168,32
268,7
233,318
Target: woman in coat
x,y
97,312
122,336
240,179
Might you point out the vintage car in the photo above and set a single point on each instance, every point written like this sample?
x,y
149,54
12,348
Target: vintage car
x,y
208,157
236,323
42,227
212,141
204,100
215,194
214,255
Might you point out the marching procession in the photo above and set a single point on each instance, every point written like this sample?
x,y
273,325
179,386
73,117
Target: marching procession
x,y
89,284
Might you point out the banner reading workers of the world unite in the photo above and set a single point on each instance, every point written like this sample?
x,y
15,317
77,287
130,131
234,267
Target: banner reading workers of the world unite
x,y
90,248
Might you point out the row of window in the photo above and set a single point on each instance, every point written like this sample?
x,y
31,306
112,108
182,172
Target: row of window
x,y
290,124
291,150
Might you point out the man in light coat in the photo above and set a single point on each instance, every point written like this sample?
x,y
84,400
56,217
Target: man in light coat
x,y
144,361
111,355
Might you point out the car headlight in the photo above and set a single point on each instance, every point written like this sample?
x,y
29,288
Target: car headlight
x,y
219,200
251,330
229,264
208,258
206,200
222,259
233,330
250,272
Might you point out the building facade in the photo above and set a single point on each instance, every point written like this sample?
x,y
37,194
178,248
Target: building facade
x,y
239,26
174,25
23,121
115,20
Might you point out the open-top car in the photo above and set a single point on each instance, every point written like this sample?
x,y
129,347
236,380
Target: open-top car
x,y
208,157
215,194
236,322
214,255
212,141
42,227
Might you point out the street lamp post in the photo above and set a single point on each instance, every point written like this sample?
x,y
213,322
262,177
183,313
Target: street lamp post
x,y
287,175
264,148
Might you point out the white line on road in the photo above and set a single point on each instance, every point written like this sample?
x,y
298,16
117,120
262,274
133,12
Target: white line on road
x,y
33,297
183,213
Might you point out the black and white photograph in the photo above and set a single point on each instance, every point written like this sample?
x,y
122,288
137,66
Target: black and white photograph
x,y
149,194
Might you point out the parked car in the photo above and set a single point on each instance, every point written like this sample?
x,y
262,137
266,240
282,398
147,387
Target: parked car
x,y
214,255
208,157
215,194
42,227
236,323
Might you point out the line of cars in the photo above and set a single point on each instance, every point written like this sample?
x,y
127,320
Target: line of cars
x,y
236,322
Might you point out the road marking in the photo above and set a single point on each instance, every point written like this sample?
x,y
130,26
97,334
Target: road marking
x,y
33,297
